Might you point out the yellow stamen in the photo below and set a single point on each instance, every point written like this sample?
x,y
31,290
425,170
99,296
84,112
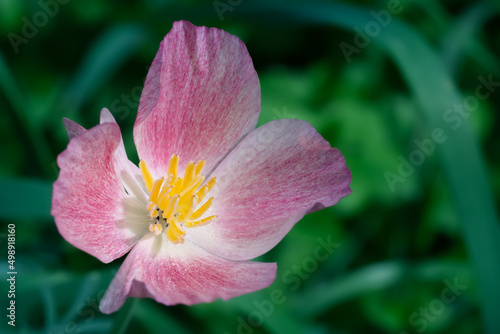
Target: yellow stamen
x,y
155,228
164,201
188,209
153,212
165,190
148,179
188,191
177,185
199,167
198,213
202,192
189,173
201,222
172,206
173,165
175,234
153,196
211,183
174,201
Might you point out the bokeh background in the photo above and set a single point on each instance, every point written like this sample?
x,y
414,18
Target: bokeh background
x,y
407,90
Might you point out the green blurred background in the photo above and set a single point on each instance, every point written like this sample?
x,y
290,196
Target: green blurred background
x,y
407,90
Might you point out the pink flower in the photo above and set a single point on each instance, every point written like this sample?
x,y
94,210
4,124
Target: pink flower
x,y
211,192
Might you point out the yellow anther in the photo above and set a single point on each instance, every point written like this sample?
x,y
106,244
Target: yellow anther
x,y
172,206
199,167
176,239
155,228
201,210
189,173
188,209
148,179
201,222
206,188
188,191
164,201
211,183
173,165
202,192
175,234
174,201
165,190
177,186
154,212
153,196
166,204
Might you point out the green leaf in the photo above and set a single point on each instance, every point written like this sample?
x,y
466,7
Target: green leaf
x,y
371,278
10,87
461,160
21,104
461,36
89,286
124,316
107,54
50,305
146,310
275,318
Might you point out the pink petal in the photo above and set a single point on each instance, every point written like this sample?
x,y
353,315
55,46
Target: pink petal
x,y
182,274
201,96
72,128
87,195
276,175
121,162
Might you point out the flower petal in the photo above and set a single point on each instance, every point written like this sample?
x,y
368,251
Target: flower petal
x,y
182,274
87,196
122,162
72,128
201,96
277,174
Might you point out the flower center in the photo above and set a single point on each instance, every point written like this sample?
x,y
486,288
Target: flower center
x,y
174,202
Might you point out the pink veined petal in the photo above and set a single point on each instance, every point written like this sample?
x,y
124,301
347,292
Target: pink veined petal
x,y
182,274
201,96
72,128
122,163
86,200
277,174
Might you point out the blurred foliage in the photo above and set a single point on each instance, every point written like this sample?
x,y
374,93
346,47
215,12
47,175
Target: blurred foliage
x,y
398,250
